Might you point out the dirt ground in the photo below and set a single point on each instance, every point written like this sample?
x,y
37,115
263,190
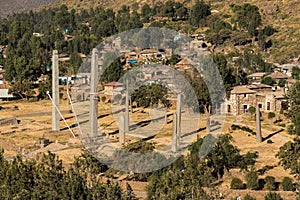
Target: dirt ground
x,y
35,122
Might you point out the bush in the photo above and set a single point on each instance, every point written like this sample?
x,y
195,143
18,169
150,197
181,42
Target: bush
x,y
236,183
272,196
270,141
249,197
271,115
291,129
270,183
282,82
252,110
252,180
287,184
103,98
268,81
234,127
281,124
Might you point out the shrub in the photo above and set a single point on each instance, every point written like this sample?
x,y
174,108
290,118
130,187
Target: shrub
x,y
234,127
236,183
270,141
103,98
268,81
282,82
249,197
252,110
272,196
252,180
271,115
291,129
281,124
287,184
270,183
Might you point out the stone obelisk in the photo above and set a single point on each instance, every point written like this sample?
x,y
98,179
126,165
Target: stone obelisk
x,y
174,134
126,120
258,125
178,119
55,92
121,129
93,95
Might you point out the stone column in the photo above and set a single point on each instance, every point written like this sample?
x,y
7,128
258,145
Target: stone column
x,y
121,129
93,95
126,109
55,92
258,125
178,119
174,134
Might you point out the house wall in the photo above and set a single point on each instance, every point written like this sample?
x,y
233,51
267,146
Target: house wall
x,y
237,102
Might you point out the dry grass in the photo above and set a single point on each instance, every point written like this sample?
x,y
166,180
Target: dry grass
x,y
33,126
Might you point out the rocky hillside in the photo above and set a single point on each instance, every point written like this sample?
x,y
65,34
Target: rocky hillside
x,y
14,6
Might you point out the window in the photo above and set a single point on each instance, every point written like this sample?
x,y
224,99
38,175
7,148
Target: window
x,y
245,108
268,106
260,106
245,95
228,108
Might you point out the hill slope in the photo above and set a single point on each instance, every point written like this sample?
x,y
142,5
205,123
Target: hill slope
x,y
15,6
281,14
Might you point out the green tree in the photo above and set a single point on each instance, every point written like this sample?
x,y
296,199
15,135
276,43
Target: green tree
x,y
282,83
236,183
23,89
198,12
150,95
272,196
289,156
268,81
122,19
75,62
247,17
135,21
270,183
252,180
249,197
168,10
296,73
114,70
287,184
294,113
146,11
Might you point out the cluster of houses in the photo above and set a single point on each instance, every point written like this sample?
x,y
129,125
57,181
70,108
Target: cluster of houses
x,y
268,98
241,98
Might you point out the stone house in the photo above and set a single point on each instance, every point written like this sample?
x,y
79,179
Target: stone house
x,y
111,88
277,76
256,78
185,65
246,96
